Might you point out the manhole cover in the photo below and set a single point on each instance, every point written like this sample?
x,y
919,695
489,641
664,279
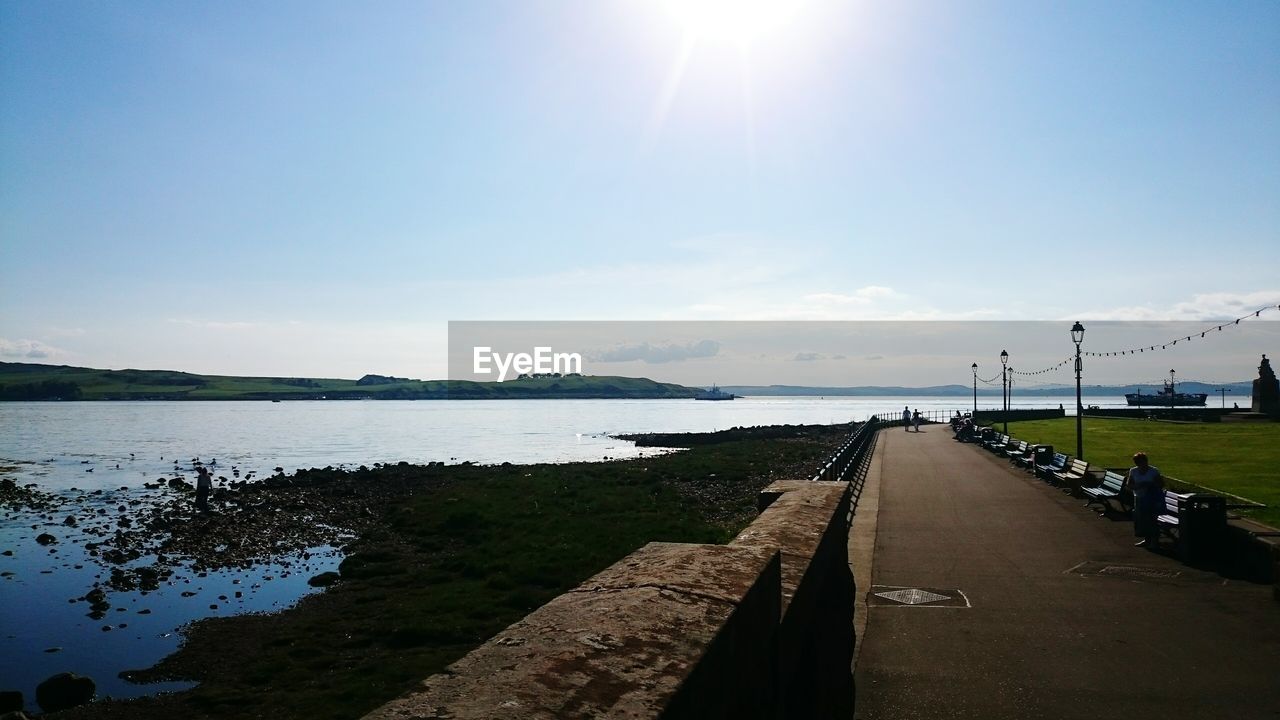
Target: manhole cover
x,y
1139,572
1098,568
882,595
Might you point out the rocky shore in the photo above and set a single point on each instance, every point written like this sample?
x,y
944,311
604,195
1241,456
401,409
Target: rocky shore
x,y
437,558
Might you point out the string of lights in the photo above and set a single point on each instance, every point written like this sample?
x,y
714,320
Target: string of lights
x,y
1186,338
1067,361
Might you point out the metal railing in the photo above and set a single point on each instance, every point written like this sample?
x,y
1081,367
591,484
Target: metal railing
x,y
894,417
850,461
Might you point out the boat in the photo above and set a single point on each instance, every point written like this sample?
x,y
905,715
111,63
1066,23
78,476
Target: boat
x,y
715,393
1167,397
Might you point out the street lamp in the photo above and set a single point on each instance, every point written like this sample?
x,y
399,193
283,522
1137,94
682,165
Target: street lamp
x,y
1224,392
975,392
1077,336
1004,387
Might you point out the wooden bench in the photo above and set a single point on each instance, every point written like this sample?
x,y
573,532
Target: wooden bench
x,y
1072,475
1168,520
1111,488
1027,460
1015,449
998,444
1046,471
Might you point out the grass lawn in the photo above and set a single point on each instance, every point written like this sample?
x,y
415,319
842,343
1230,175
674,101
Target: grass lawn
x,y
1238,458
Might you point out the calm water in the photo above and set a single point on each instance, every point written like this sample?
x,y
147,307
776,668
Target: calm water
x,y
58,442
127,443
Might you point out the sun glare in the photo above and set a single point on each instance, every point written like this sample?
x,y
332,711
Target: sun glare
x,y
731,21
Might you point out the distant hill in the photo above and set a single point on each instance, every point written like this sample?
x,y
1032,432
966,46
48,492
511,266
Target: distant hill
x,y
26,381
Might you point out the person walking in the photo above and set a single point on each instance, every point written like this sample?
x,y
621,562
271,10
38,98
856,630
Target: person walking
x,y
906,419
204,484
915,419
1147,485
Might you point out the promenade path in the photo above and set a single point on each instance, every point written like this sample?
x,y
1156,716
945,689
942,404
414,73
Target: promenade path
x,y
1050,611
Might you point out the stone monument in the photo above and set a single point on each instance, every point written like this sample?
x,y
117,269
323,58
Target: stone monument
x,y
1266,390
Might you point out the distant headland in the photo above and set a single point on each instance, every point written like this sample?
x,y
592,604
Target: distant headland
x,y
28,381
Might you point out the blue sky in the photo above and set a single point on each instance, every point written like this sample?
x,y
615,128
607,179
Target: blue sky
x,y
317,188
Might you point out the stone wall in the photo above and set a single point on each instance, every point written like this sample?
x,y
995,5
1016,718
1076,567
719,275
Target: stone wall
x,y
995,416
759,628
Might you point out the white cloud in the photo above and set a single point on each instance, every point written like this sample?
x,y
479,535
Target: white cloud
x,y
657,354
27,349
1207,307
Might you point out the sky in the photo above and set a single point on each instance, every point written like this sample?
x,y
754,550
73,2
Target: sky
x,y
318,188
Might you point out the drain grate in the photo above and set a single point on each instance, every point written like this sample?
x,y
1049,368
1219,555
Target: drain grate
x,y
1139,572
912,596
893,596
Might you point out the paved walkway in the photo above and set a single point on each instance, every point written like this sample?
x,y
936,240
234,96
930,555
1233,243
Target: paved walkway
x,y
1050,612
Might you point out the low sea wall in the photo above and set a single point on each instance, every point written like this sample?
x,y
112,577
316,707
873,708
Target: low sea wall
x,y
995,416
759,628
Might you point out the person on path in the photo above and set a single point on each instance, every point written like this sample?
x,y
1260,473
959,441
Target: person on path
x,y
915,420
906,419
1147,485
204,483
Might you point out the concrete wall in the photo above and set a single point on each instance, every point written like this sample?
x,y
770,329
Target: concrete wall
x,y
759,628
995,416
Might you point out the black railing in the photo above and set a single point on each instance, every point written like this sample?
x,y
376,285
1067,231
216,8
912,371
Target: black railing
x,y
850,461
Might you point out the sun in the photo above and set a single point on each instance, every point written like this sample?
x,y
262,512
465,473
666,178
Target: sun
x,y
739,22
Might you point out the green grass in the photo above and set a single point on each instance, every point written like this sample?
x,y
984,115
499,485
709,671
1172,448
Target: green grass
x,y
1238,458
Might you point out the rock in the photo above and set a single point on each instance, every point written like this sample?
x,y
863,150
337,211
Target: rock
x,y
178,484
10,701
70,521
46,539
64,690
324,579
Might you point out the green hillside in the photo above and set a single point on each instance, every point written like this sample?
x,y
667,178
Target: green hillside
x,y
24,381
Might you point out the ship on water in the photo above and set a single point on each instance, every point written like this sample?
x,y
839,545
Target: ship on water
x,y
1167,397
715,393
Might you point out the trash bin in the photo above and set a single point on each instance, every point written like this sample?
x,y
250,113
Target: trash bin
x,y
1202,527
1042,454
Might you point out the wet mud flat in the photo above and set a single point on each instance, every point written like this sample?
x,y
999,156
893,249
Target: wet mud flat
x,y
420,563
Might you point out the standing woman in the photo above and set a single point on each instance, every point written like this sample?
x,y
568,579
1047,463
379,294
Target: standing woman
x,y
1147,485
204,483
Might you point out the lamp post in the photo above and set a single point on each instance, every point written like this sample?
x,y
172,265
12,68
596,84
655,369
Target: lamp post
x,y
1004,387
1077,336
1172,391
1223,392
975,392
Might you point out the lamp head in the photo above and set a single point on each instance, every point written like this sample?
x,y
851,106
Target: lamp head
x,y
1077,333
1004,357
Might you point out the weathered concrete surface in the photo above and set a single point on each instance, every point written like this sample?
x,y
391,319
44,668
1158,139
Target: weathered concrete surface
x,y
806,522
670,631
862,541
1048,635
